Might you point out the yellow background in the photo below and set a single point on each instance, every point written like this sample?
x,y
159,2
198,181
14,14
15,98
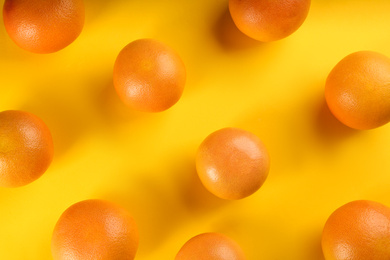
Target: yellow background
x,y
145,162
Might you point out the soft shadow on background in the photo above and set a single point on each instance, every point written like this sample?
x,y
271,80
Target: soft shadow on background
x,y
292,134
329,129
159,209
229,36
9,51
155,210
107,104
194,196
73,109
286,148
314,249
67,120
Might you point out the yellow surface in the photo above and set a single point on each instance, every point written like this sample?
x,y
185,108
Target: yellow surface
x,y
145,162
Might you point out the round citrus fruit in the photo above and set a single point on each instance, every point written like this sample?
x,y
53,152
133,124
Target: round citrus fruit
x,y
95,229
232,163
268,20
210,246
149,76
26,148
43,26
358,230
357,90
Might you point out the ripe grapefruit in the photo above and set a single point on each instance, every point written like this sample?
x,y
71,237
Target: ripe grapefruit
x,y
26,148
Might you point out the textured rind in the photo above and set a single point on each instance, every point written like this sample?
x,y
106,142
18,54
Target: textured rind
x,y
210,246
26,148
358,230
232,163
268,20
149,76
95,229
43,26
357,90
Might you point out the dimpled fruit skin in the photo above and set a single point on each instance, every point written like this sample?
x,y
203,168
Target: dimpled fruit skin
x,y
26,148
268,20
357,90
149,76
210,246
43,26
232,163
95,230
359,230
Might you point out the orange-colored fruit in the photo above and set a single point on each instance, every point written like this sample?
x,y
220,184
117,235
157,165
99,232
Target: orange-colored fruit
x,y
232,163
43,26
268,20
26,148
357,90
359,230
149,76
95,229
210,246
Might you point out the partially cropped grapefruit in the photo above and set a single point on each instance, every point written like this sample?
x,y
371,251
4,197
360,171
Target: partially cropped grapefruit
x,y
26,148
43,26
358,230
357,90
95,229
268,20
210,246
